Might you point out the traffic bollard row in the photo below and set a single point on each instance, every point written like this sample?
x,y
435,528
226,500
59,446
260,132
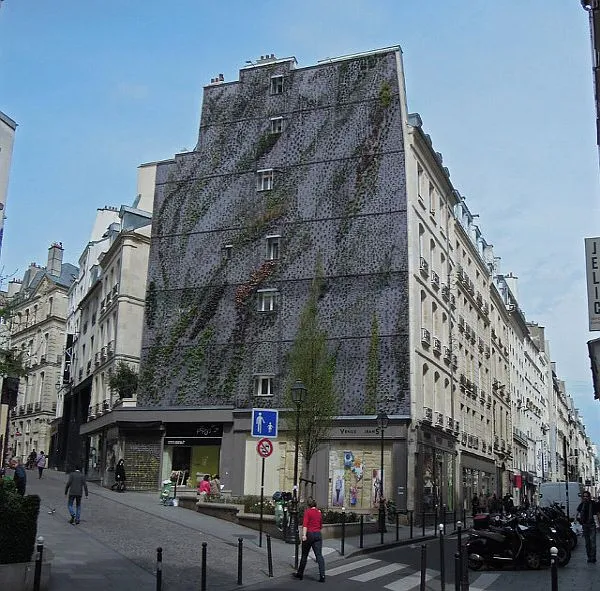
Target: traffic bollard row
x,y
240,558
423,586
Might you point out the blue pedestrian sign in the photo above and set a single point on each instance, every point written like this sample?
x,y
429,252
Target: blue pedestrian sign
x,y
264,422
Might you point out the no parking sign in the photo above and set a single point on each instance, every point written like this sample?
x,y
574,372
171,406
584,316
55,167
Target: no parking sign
x,y
264,448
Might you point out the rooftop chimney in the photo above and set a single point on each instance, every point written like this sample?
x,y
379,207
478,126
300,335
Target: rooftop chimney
x,y
55,257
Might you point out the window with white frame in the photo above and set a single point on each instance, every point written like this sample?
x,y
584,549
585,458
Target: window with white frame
x,y
263,385
276,84
264,180
267,299
273,244
227,251
276,124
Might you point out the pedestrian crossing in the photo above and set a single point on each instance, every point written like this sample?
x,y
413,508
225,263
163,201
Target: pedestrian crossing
x,y
403,577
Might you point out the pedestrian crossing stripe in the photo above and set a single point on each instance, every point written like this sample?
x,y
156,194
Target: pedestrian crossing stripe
x,y
407,582
338,570
379,572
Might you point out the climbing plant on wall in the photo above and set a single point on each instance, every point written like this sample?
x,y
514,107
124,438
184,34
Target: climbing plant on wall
x,y
372,369
311,361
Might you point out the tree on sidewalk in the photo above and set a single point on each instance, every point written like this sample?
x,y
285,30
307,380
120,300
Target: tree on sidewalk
x,y
312,362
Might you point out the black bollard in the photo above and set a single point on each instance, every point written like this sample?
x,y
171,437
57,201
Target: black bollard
x,y
38,564
442,560
397,527
269,556
423,523
457,567
423,587
465,572
553,569
240,555
361,531
411,523
459,540
203,572
343,542
159,569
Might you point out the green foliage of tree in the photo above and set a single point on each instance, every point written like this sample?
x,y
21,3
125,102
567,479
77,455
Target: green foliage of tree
x,y
12,363
123,380
372,369
311,361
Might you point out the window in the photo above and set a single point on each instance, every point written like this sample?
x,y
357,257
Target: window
x,y
276,124
227,251
263,385
266,300
273,247
420,181
276,84
264,180
431,199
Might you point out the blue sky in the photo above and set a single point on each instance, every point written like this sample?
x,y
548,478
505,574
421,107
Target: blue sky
x,y
504,89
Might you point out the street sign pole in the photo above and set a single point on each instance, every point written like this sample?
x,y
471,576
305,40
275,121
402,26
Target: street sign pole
x,y
262,500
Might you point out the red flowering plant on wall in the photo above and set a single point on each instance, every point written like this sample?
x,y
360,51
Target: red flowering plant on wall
x,y
245,290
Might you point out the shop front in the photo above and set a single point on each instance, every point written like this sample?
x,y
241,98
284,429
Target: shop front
x,y
478,480
191,450
434,472
350,463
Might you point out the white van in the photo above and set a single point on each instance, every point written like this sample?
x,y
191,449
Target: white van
x,y
556,492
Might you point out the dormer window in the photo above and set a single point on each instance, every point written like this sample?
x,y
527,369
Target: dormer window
x,y
276,84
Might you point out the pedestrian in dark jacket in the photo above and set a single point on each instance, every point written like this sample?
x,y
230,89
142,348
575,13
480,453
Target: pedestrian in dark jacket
x,y
120,476
20,478
586,512
74,488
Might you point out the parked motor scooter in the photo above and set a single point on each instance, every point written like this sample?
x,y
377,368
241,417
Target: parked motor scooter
x,y
513,545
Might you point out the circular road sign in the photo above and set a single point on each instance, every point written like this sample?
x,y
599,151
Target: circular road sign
x,y
264,447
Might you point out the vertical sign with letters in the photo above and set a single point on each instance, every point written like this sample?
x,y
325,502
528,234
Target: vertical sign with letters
x,y
592,265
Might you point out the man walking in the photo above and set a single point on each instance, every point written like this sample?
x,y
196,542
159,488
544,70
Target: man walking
x,y
20,478
586,511
75,487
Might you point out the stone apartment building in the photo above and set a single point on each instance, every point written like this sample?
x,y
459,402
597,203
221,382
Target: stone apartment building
x,y
7,136
295,166
38,310
106,307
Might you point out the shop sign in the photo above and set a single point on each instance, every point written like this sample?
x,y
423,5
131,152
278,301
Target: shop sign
x,y
188,441
362,432
187,430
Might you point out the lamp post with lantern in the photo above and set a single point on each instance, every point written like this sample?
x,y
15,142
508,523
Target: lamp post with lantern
x,y
298,397
382,422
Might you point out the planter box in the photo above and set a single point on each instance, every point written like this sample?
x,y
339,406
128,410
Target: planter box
x,y
20,576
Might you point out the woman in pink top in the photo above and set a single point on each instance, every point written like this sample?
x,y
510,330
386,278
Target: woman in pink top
x,y
204,486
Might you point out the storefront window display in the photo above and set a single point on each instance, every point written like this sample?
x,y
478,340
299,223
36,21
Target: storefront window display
x,y
477,484
436,471
355,477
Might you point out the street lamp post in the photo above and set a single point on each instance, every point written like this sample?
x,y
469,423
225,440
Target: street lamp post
x,y
298,397
382,423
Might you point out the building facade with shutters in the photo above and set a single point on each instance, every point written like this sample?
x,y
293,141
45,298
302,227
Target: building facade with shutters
x,y
38,311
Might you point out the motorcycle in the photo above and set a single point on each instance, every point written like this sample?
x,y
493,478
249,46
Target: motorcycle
x,y
513,545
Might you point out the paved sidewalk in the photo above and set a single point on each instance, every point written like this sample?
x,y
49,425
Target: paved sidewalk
x,y
114,548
